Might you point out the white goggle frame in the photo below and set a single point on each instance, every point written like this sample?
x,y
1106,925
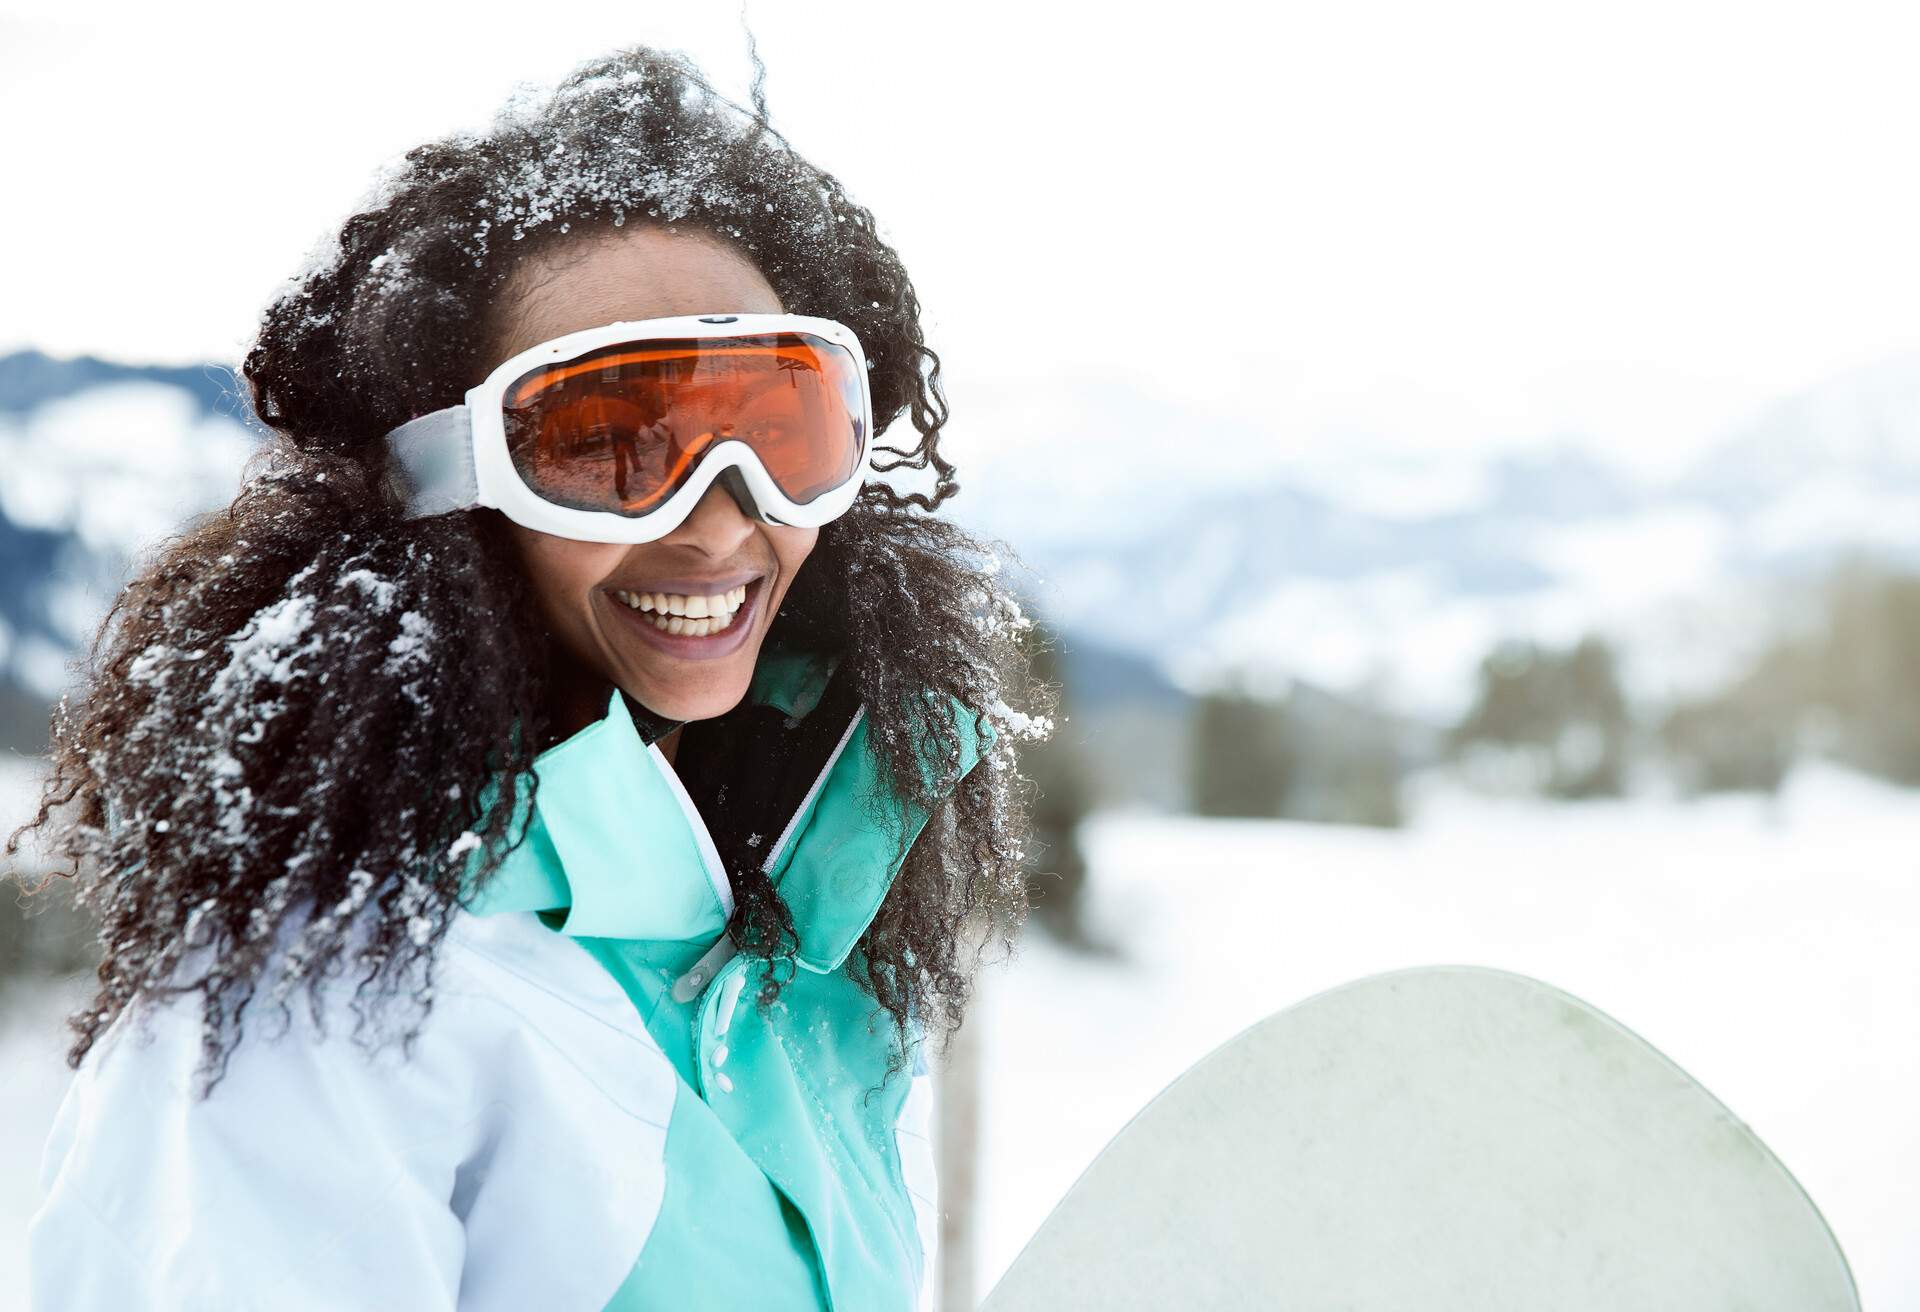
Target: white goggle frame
x,y
457,458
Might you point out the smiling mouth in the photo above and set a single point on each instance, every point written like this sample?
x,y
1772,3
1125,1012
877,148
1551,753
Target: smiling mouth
x,y
683,615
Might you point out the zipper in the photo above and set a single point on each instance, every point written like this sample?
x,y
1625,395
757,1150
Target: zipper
x,y
702,839
707,969
819,781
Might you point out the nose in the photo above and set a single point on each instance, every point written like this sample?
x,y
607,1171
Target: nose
x,y
717,526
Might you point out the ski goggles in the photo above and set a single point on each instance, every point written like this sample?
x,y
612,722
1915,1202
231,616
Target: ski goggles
x,y
613,434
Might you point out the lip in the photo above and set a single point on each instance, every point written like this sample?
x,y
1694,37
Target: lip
x,y
692,587
684,646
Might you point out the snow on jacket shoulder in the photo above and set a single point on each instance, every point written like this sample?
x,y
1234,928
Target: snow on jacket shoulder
x,y
597,1113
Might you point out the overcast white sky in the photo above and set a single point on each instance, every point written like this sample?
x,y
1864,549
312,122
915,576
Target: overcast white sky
x,y
1443,225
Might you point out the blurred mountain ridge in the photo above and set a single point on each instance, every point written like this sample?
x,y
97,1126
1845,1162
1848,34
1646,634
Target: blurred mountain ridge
x,y
1398,567
98,460
30,379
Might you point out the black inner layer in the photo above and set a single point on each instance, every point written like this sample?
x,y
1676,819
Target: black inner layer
x,y
749,771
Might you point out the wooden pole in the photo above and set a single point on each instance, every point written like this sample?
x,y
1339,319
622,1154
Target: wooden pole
x,y
957,1149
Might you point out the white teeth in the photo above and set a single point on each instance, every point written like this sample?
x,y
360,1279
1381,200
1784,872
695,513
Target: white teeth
x,y
695,617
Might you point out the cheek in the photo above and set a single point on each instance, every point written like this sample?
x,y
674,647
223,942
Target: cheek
x,y
562,573
791,547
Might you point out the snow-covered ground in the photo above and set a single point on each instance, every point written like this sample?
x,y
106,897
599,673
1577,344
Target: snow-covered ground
x,y
1770,952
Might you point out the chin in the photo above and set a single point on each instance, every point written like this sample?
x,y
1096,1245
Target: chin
x,y
687,705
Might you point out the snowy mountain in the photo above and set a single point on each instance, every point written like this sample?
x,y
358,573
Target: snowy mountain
x,y
97,461
1361,566
1838,463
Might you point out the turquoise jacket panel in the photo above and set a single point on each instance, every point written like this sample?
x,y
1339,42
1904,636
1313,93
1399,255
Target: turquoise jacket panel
x,y
784,1181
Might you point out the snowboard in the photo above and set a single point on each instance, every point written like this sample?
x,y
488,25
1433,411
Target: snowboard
x,y
1436,1140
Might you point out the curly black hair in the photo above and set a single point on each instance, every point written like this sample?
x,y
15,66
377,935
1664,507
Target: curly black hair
x,y
276,675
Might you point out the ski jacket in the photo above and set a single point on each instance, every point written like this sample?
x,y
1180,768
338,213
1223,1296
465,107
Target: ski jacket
x,y
599,1112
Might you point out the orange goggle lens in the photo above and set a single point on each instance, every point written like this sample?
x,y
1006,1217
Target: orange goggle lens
x,y
623,428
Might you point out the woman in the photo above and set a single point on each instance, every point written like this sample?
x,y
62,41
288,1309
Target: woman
x,y
658,779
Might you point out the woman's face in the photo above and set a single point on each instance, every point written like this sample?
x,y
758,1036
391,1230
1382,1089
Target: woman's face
x,y
585,587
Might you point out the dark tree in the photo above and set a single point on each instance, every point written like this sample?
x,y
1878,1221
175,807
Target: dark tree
x,y
1561,710
1243,761
1056,867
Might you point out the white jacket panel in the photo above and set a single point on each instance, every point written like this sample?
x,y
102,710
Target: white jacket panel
x,y
317,1177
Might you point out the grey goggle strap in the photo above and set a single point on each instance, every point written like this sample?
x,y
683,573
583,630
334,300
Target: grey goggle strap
x,y
433,462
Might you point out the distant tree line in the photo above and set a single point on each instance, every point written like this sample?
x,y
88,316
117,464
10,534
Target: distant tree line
x,y
1845,685
1555,721
1552,722
1305,756
1063,794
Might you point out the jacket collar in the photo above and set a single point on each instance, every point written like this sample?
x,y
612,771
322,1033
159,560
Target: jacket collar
x,y
615,848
